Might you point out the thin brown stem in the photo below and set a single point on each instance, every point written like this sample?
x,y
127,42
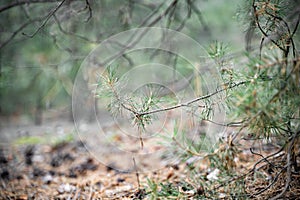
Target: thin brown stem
x,y
289,167
45,21
188,103
136,173
261,29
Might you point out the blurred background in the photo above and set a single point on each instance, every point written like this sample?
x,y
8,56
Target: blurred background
x,y
43,44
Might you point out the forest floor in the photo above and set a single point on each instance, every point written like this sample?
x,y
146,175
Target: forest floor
x,y
53,162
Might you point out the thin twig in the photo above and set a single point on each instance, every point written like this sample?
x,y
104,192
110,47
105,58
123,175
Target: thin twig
x,y
145,21
296,27
231,124
265,159
136,173
19,3
272,183
199,16
293,33
183,22
90,10
188,103
289,167
134,39
45,22
253,170
261,29
70,33
14,34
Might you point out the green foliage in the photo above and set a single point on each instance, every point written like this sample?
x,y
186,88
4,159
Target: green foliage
x,y
51,49
168,190
184,145
217,51
52,140
137,104
267,104
36,73
269,101
28,140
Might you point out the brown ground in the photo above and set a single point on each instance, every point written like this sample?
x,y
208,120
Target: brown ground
x,y
47,164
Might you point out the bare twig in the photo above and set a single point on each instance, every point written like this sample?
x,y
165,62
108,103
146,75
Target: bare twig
x,y
128,59
265,159
145,21
136,173
140,127
22,2
296,26
71,33
46,20
289,39
169,8
57,45
87,6
293,33
182,24
25,10
261,29
90,10
253,170
171,16
231,124
134,39
272,183
199,15
14,34
289,167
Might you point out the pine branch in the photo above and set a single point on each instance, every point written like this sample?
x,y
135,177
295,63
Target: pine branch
x,y
193,100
